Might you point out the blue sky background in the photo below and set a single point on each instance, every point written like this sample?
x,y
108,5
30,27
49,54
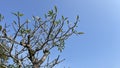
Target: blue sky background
x,y
99,47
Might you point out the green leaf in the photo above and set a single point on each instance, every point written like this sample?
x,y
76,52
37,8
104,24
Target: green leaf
x,y
1,17
73,30
66,18
56,23
21,14
22,31
63,17
3,56
61,44
27,31
50,13
28,21
14,22
80,33
51,35
18,14
77,17
14,14
68,22
55,9
59,49
0,27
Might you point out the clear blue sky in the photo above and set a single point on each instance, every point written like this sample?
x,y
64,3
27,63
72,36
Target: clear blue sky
x,y
99,47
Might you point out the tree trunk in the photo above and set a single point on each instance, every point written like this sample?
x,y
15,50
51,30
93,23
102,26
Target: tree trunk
x,y
36,66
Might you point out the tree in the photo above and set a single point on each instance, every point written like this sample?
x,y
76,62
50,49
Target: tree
x,y
29,44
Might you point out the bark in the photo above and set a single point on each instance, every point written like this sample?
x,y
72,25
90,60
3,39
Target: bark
x,y
35,65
